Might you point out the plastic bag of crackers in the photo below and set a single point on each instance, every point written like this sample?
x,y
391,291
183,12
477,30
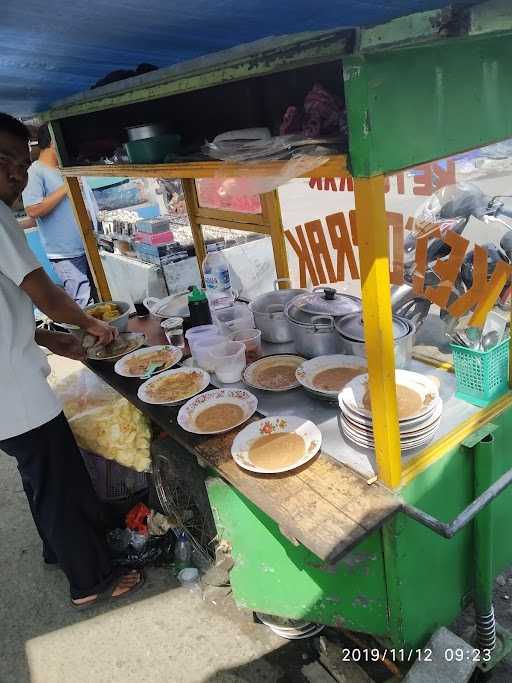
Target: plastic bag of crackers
x,y
103,421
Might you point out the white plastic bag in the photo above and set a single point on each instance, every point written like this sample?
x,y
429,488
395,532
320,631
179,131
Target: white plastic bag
x,y
103,422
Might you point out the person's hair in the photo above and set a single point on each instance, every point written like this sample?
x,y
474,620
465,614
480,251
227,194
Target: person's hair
x,y
8,124
44,139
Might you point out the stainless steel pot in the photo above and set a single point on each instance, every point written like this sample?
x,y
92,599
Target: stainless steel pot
x,y
350,329
312,319
151,130
268,312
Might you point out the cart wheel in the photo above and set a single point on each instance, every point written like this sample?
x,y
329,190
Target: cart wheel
x,y
180,486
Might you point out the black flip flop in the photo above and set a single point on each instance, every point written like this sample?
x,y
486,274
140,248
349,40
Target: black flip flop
x,y
106,595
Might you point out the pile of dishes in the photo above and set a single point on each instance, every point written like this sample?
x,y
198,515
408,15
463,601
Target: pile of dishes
x,y
324,377
291,629
419,410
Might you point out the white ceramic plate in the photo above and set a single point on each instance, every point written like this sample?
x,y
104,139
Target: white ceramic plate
x,y
290,635
175,354
355,431
368,442
273,425
354,392
307,372
189,412
252,370
204,381
135,339
406,427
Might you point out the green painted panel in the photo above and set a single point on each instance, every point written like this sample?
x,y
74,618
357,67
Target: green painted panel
x,y
435,574
414,104
272,575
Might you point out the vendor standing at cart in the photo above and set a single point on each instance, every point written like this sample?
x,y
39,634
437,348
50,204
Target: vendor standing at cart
x,y
33,428
46,200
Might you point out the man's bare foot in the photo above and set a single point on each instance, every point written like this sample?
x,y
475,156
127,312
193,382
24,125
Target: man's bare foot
x,y
125,584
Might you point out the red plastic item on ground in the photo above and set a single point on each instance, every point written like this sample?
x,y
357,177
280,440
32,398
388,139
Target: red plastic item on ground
x,y
137,518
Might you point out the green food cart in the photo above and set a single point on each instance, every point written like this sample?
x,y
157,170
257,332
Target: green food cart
x,y
397,555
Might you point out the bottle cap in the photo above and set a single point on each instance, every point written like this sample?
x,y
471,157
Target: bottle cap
x,y
196,294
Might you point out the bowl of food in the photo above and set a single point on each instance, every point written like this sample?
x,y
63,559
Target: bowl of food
x,y
217,411
115,313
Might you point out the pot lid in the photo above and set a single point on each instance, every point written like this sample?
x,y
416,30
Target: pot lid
x,y
322,301
351,327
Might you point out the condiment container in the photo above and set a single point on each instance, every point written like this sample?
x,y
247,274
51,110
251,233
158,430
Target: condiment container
x,y
198,307
252,340
229,361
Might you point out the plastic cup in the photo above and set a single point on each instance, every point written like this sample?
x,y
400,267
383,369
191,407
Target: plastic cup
x,y
252,340
189,579
229,361
173,330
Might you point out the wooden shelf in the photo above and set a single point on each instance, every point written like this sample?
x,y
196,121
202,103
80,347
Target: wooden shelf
x,y
334,167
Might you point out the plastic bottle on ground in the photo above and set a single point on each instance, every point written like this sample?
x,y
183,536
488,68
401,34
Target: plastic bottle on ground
x,y
182,552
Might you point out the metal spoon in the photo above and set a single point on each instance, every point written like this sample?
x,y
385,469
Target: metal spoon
x,y
474,336
490,340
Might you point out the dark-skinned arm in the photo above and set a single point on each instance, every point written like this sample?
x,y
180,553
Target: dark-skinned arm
x,y
58,306
48,204
61,343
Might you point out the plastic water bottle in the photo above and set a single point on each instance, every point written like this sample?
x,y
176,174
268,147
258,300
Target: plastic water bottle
x,y
182,552
217,278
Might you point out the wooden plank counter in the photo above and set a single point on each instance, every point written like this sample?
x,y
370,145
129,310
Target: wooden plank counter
x,y
325,505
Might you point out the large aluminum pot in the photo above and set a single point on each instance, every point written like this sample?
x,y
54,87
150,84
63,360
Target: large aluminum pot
x,y
351,334
312,317
268,312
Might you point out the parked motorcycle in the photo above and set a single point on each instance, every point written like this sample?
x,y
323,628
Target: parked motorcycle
x,y
450,209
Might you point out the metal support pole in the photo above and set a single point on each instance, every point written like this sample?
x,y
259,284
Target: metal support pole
x,y
483,547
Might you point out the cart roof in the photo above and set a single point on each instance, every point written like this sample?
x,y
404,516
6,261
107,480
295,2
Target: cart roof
x,y
51,50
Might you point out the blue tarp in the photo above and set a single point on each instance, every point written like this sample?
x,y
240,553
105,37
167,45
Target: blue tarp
x,y
50,49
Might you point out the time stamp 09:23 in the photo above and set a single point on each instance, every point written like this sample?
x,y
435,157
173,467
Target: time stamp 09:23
x,y
424,655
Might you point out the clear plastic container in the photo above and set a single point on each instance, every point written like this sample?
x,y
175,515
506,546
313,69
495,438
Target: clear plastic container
x,y
236,317
217,278
200,351
252,340
200,340
173,330
228,361
189,579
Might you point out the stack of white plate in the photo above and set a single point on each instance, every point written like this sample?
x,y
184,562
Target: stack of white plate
x,y
291,629
416,429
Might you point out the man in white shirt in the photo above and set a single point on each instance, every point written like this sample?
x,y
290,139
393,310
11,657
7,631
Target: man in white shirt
x,y
33,428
